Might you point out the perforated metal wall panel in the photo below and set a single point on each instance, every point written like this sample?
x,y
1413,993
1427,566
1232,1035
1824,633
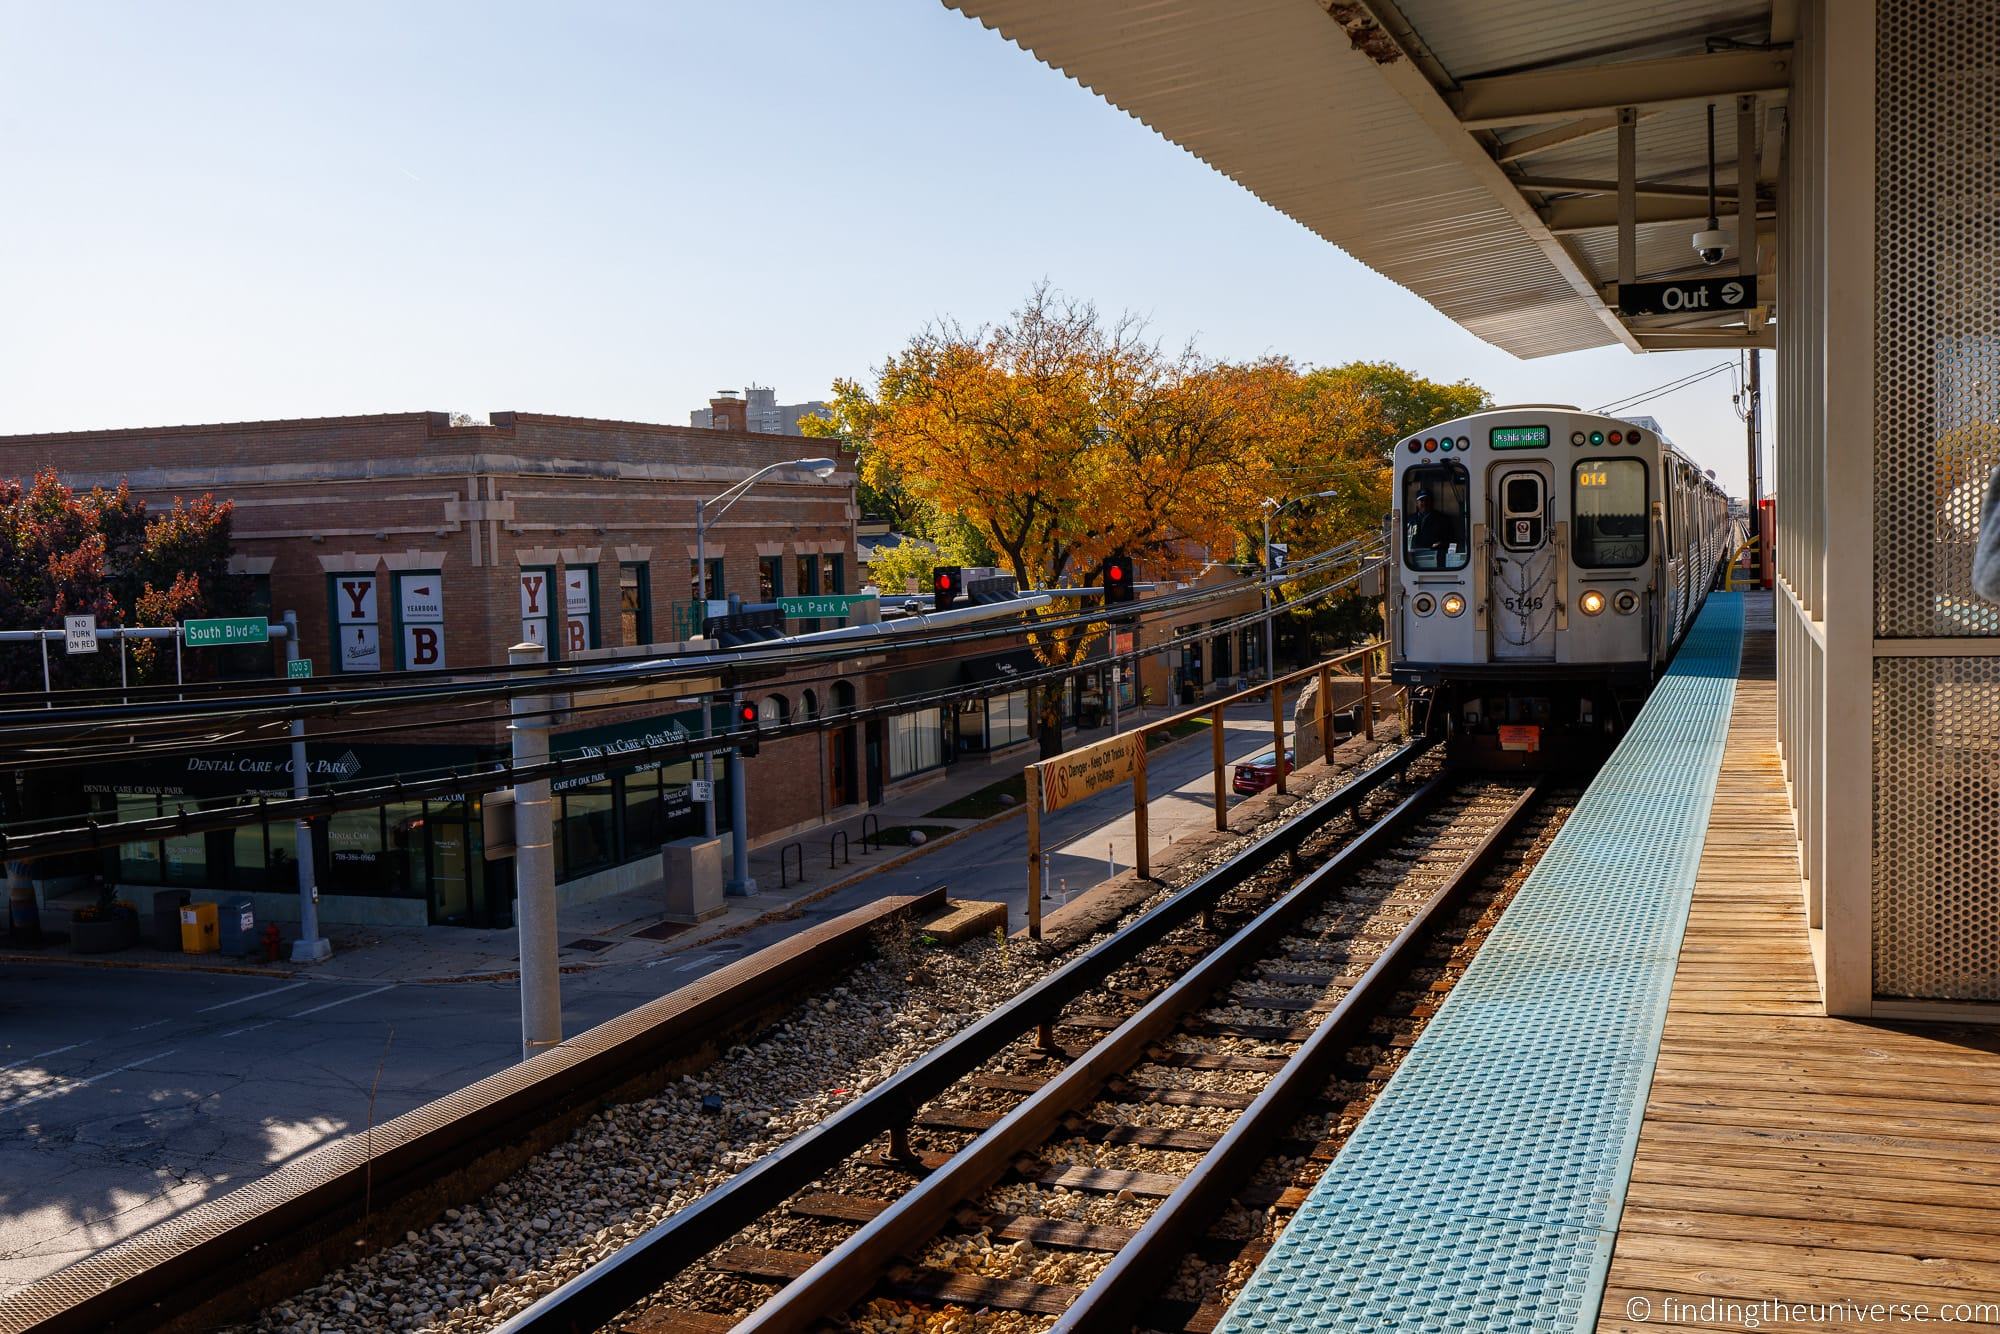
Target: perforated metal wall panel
x,y
1935,866
1937,828
1937,234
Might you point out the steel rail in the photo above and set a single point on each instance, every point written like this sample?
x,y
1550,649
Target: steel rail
x,y
646,1263
1114,1299
845,1275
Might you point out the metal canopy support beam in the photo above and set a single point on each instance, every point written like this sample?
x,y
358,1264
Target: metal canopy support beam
x,y
1582,185
1746,184
1589,127
1597,212
1415,88
1562,94
1628,195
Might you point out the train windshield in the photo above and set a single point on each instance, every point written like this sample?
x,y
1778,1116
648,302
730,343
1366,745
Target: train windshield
x,y
1435,505
1610,508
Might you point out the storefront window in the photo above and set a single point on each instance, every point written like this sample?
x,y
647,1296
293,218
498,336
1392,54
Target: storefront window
x,y
971,725
589,835
354,852
186,855
251,857
409,875
645,821
138,863
916,742
1006,719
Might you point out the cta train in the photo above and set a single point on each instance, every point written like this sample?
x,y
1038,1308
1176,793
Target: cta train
x,y
1546,564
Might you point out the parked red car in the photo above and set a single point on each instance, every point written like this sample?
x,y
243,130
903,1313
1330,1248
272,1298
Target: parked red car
x,y
1254,775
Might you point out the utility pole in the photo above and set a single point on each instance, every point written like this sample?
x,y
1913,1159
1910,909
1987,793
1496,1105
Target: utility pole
x,y
311,946
1270,653
534,870
740,882
1754,418
707,702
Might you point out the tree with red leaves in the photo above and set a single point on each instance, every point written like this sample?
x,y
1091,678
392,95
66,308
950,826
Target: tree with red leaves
x,y
102,554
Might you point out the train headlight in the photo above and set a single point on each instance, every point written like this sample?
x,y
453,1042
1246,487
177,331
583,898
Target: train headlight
x,y
1627,602
1453,604
1423,604
1592,602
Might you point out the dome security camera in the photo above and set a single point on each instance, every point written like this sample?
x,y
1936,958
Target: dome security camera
x,y
1710,244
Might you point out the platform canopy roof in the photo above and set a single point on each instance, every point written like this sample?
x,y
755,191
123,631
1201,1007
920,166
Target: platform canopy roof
x,y
1467,149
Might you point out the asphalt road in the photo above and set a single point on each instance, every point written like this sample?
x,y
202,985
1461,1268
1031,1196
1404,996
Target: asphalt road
x,y
127,1096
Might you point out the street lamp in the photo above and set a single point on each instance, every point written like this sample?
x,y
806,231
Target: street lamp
x,y
740,883
1272,509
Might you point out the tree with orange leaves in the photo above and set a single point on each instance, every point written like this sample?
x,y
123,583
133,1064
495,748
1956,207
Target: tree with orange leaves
x,y
1061,438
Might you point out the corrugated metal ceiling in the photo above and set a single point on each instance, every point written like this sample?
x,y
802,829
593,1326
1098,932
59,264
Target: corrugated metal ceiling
x,y
1274,95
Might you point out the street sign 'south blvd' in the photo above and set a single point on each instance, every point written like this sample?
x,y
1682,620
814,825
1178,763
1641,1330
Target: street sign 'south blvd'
x,y
222,630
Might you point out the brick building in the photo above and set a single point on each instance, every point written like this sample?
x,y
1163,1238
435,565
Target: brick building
x,y
408,542
415,542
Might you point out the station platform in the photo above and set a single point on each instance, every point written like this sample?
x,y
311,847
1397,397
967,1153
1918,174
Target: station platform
x,y
1630,1113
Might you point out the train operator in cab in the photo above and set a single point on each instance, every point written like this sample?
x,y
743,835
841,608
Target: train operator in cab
x,y
1431,531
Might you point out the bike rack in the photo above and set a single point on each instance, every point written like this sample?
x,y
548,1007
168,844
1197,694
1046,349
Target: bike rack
x,y
838,841
870,822
799,848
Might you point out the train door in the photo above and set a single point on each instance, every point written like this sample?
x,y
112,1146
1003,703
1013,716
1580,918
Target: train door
x,y
1522,606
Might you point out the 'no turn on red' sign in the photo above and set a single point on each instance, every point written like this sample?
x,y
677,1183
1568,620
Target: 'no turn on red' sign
x,y
79,634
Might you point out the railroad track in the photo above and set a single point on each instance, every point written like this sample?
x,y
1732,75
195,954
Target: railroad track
x,y
1053,1158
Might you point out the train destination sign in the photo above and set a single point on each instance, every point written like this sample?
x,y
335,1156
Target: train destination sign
x,y
220,630
1688,296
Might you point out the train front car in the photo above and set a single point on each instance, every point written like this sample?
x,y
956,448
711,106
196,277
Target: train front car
x,y
1548,562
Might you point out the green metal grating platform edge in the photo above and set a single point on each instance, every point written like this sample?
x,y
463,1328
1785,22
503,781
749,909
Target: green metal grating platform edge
x,y
1482,1190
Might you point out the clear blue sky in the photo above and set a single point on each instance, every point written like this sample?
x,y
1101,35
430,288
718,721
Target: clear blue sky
x,y
231,211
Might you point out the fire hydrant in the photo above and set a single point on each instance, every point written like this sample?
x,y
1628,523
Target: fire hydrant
x,y
271,942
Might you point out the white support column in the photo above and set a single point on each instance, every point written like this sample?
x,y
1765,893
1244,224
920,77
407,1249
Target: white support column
x,y
535,871
311,946
1847,30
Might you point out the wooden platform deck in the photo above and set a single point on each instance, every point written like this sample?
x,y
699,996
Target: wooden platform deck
x,y
1788,1157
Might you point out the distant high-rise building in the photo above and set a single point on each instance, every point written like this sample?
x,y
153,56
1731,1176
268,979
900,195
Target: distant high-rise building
x,y
758,409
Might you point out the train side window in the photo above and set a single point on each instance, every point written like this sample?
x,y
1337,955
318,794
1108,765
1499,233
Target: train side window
x,y
1608,498
1435,505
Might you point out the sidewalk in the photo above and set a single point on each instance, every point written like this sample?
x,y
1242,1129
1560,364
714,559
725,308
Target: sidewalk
x,y
628,929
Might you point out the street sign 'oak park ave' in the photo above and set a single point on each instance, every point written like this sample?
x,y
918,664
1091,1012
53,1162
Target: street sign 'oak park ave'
x,y
1688,296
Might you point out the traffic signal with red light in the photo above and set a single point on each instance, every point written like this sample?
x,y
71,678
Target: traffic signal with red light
x,y
1119,579
746,727
946,584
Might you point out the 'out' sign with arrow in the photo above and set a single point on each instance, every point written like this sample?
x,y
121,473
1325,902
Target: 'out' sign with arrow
x,y
1688,296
